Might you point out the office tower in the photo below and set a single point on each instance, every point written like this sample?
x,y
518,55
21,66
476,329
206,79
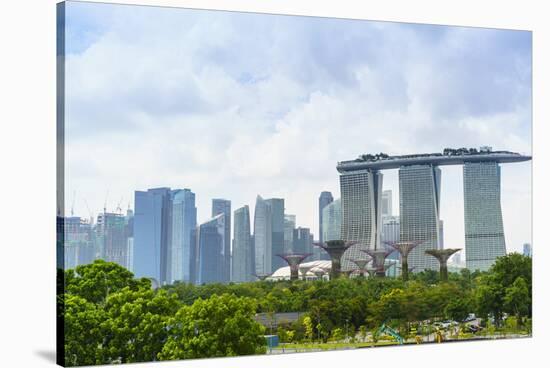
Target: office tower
x,y
112,234
129,229
277,206
324,199
482,215
391,229
243,248
387,208
527,250
332,221
211,250
361,192
441,239
78,241
262,237
419,193
183,221
151,233
290,225
303,241
223,206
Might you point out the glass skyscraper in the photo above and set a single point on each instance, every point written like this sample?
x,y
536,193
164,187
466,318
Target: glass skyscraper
x,y
482,215
211,248
290,225
324,199
361,194
332,221
223,206
151,233
183,221
419,193
303,241
262,237
243,247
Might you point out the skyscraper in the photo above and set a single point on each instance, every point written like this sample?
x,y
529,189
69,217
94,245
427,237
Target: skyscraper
x,y
211,249
151,233
303,240
527,250
78,239
262,237
243,248
184,220
113,239
419,193
361,192
290,225
391,232
387,208
277,206
324,199
441,244
223,206
332,221
482,215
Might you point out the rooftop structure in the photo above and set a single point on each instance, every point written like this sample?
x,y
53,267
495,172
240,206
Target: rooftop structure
x,y
450,156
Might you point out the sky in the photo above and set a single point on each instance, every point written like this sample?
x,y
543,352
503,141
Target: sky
x,y
232,105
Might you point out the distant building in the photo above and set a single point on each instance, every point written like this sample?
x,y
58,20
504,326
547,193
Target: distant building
x,y
210,245
303,241
332,221
262,237
277,206
482,215
223,206
441,239
78,239
243,247
387,208
112,234
151,234
527,250
324,199
391,232
419,194
183,222
289,226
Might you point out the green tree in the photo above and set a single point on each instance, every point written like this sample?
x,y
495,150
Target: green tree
x,y
517,299
337,334
458,309
219,326
308,327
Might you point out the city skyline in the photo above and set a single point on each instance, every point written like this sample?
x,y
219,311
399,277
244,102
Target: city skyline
x,y
265,127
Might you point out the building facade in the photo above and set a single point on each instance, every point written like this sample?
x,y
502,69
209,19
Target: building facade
x,y
303,240
387,205
361,196
277,208
112,236
419,193
182,249
332,221
324,199
243,247
482,215
289,226
391,232
262,237
210,245
223,206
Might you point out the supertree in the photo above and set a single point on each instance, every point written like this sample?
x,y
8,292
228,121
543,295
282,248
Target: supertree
x,y
378,259
442,255
371,271
404,248
294,260
261,276
304,270
335,249
319,273
361,264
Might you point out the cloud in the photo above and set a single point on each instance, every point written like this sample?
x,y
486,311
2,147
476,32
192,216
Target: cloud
x,y
234,104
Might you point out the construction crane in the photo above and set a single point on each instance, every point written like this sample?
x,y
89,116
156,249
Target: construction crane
x,y
390,331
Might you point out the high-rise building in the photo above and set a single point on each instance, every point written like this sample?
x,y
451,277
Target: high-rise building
x,y
151,233
387,208
419,193
303,240
527,250
78,239
482,215
182,249
324,199
361,192
129,225
113,237
441,239
262,237
277,206
290,225
211,248
391,230
243,247
332,221
224,206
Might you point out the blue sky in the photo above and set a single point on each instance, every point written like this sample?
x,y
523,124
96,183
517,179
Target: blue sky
x,y
238,104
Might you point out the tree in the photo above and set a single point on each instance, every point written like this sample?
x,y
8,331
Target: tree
x,y
458,309
517,299
308,326
337,334
215,327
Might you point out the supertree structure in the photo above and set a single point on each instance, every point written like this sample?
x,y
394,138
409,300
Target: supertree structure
x,y
335,249
442,255
304,270
261,276
319,272
361,264
371,271
378,259
404,248
294,260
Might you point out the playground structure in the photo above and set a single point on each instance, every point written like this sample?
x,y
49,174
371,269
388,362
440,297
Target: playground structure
x,y
442,255
335,249
294,260
404,248
391,332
